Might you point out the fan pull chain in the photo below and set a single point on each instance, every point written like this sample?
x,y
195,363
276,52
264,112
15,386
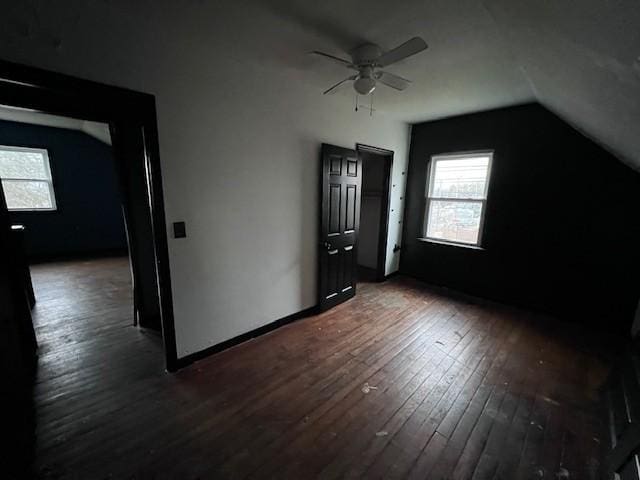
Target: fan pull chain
x,y
371,106
356,102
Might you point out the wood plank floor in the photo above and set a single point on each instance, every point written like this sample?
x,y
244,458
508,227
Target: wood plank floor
x,y
403,381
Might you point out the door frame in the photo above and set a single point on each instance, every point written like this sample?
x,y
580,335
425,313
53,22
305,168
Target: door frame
x,y
383,230
36,89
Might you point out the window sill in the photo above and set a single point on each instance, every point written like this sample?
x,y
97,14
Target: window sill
x,y
450,244
34,210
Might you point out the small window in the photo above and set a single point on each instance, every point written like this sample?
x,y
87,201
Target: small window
x,y
456,197
26,179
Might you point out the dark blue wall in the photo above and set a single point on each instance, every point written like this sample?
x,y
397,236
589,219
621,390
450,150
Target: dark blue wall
x,y
89,215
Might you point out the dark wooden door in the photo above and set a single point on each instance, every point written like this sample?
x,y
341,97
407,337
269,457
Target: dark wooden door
x,y
339,225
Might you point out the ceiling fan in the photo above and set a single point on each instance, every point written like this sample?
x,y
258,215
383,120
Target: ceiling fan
x,y
369,59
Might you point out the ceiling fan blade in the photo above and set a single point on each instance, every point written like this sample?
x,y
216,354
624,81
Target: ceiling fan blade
x,y
411,47
333,88
341,61
393,81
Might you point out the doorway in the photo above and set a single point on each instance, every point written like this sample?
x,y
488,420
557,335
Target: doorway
x,y
374,212
64,201
353,241
131,118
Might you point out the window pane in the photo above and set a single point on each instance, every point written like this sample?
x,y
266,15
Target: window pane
x,y
27,195
460,178
22,164
454,221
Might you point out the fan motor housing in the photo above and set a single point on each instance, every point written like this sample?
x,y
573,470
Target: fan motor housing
x,y
366,54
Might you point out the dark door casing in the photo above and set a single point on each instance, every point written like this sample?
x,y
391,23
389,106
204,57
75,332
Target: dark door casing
x,y
128,139
133,118
385,202
339,225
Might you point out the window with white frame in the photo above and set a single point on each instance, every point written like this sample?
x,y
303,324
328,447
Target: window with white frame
x,y
456,196
26,179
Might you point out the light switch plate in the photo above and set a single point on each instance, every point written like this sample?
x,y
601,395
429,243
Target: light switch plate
x,y
179,230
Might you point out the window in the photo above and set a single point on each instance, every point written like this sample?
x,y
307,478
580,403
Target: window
x,y
26,179
456,197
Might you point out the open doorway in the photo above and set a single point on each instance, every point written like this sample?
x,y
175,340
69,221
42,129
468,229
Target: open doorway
x,y
128,120
65,205
374,212
131,117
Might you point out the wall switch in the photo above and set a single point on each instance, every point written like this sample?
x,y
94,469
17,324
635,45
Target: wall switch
x,y
179,230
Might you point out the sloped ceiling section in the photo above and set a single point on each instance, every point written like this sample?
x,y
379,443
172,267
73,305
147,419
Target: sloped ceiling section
x,y
579,58
99,131
582,60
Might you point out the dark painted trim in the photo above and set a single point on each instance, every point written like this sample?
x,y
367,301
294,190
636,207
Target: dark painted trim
x,y
460,295
383,234
194,357
448,243
161,241
372,149
33,88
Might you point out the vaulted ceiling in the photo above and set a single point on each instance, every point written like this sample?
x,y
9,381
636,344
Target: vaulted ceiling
x,y
579,58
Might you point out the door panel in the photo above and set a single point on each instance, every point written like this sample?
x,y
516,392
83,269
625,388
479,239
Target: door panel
x,y
350,207
339,225
334,210
348,268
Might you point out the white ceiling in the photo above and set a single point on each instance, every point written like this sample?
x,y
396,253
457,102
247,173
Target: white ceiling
x,y
468,66
99,131
579,58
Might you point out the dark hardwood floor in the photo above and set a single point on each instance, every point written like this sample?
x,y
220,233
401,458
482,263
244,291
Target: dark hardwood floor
x,y
457,389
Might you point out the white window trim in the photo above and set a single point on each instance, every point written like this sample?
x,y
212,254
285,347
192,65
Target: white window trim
x,y
483,201
47,170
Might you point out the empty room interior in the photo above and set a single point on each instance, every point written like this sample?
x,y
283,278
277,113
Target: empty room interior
x,y
296,240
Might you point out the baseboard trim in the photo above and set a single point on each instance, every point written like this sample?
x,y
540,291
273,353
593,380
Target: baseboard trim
x,y
219,347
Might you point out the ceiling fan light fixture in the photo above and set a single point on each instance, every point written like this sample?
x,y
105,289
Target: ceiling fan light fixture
x,y
364,85
368,59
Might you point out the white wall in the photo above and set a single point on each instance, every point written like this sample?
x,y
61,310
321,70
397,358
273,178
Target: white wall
x,y
241,121
248,191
